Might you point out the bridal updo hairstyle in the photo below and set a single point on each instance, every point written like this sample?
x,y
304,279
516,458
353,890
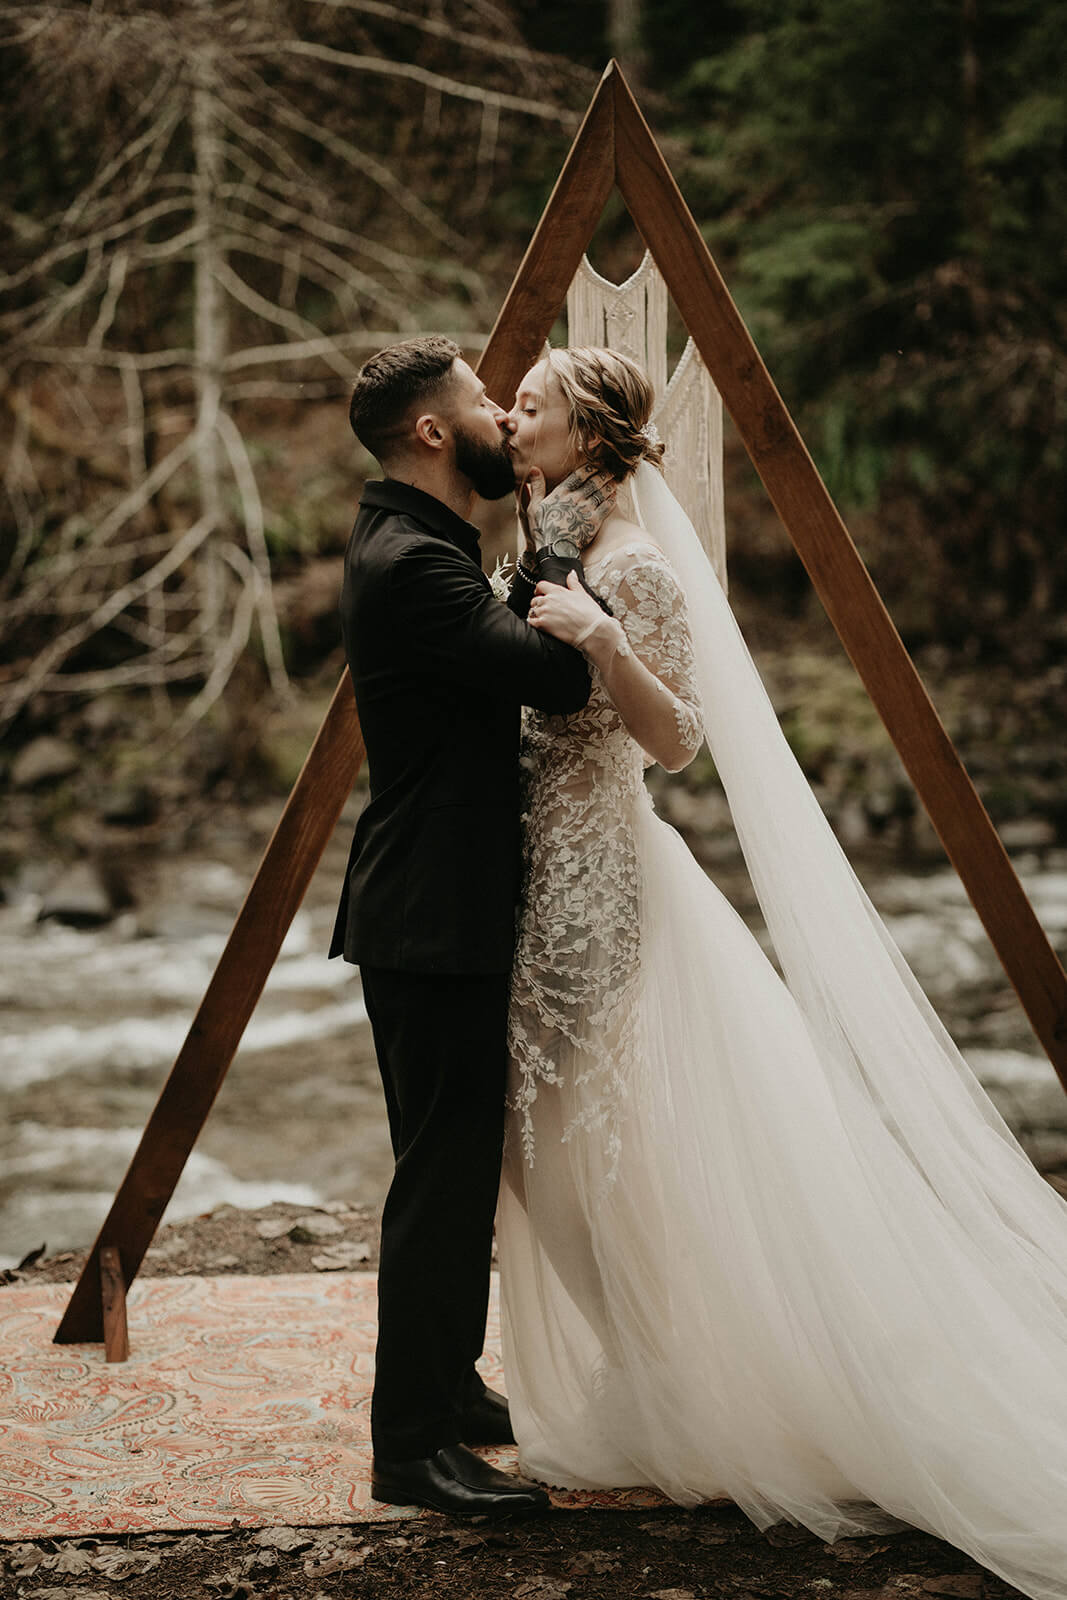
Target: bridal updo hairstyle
x,y
610,402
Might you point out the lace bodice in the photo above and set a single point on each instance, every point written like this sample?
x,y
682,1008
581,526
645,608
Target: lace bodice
x,y
578,952
645,596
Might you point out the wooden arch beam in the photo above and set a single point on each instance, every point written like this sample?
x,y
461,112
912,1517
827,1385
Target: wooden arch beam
x,y
612,146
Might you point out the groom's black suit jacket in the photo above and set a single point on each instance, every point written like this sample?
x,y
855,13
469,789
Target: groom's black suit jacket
x,y
440,669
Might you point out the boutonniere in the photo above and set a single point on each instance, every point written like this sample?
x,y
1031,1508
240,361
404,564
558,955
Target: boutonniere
x,y
500,578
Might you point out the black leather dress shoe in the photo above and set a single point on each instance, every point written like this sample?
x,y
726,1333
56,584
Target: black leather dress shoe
x,y
487,1421
455,1480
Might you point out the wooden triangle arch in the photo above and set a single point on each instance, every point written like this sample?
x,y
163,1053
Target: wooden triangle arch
x,y
613,146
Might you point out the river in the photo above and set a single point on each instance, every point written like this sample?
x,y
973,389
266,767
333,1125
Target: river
x,y
94,1019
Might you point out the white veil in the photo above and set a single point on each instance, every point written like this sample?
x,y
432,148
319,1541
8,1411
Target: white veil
x,y
877,1038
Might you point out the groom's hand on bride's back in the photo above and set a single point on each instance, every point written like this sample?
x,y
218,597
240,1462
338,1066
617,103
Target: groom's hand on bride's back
x,y
576,509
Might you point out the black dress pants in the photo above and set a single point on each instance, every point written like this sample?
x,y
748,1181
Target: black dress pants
x,y
441,1047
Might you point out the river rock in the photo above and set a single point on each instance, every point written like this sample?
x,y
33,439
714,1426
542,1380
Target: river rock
x,y
314,1227
81,898
344,1256
1028,833
44,760
127,804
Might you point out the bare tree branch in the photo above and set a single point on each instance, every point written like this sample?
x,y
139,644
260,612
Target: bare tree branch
x,y
370,168
116,282
504,49
382,67
366,339
269,312
150,361
39,425
87,245
132,674
144,491
252,508
45,664
228,656
313,261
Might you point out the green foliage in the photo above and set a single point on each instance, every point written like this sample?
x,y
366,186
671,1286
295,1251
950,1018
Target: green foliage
x,y
888,184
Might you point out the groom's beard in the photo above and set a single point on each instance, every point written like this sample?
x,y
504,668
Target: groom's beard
x,y
488,467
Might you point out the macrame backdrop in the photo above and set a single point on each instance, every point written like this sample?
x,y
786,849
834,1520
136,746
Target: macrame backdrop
x,y
631,318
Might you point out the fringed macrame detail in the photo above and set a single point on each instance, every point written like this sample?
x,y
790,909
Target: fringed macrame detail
x,y
631,318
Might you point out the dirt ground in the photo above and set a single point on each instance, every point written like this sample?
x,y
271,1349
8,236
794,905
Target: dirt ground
x,y
667,1554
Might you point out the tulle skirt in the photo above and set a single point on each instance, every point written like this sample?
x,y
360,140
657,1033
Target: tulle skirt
x,y
763,1295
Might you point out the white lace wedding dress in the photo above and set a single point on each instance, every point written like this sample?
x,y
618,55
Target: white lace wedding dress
x,y
758,1238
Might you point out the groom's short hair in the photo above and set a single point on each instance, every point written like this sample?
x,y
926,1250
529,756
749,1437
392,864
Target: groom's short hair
x,y
392,383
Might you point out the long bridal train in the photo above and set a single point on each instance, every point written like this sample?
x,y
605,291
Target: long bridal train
x,y
762,1238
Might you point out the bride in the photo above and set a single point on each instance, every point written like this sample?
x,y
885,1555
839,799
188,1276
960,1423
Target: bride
x,y
761,1238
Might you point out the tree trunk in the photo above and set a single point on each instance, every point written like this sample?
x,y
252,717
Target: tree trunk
x,y
969,77
209,328
624,37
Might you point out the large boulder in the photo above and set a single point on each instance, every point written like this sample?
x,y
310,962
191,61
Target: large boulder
x,y
84,896
127,804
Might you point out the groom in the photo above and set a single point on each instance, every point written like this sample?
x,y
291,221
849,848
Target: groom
x,y
440,670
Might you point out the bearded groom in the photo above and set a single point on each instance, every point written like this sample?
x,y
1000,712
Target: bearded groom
x,y
440,669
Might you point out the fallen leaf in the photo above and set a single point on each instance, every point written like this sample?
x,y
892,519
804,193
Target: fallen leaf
x,y
338,1561
54,1593
592,1562
783,1535
25,1559
675,1532
962,1585
855,1549
73,1561
542,1587
115,1562
230,1586
671,1594
713,1535
467,1538
197,1541
287,1539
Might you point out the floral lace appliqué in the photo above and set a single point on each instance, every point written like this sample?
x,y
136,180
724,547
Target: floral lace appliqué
x,y
574,1012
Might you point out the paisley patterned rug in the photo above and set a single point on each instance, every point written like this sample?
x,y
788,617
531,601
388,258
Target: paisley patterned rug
x,y
245,1400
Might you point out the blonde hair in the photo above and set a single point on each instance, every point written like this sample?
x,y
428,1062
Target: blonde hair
x,y
610,402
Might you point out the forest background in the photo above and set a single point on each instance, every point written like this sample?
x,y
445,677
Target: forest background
x,y
213,212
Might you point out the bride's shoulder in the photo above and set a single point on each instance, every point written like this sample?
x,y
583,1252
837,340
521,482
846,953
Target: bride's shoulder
x,y
627,545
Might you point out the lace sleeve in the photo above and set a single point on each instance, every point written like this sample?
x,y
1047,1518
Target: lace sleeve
x,y
648,600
